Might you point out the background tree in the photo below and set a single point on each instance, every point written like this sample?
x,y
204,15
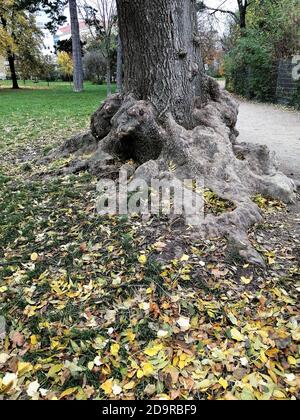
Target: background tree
x,y
210,43
28,66
76,48
239,16
65,63
54,9
16,18
101,16
29,55
272,34
278,22
13,23
94,64
66,45
47,69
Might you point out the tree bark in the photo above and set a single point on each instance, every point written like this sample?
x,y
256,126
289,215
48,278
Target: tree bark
x,y
243,19
162,61
108,75
119,65
76,48
12,68
243,6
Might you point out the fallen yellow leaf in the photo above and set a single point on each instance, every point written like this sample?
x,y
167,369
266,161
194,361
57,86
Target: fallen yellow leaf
x,y
107,386
143,259
68,391
33,340
114,349
152,351
24,367
263,357
223,383
129,386
236,335
54,370
279,394
292,360
204,384
147,369
130,335
246,280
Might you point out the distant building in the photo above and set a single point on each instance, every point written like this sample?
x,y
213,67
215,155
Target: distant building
x,y
48,39
64,32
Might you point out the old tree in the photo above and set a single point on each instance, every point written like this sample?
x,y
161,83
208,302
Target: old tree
x,y
171,112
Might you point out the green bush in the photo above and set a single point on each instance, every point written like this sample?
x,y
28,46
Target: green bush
x,y
272,34
250,70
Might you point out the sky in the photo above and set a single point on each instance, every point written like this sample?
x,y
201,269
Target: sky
x,y
220,25
228,4
222,17
225,4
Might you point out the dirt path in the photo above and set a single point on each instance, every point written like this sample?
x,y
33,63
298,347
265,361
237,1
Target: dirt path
x,y
279,129
276,127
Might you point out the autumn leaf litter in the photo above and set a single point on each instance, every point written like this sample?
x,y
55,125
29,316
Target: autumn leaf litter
x,y
126,308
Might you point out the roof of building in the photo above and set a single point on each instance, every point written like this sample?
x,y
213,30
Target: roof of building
x,y
66,30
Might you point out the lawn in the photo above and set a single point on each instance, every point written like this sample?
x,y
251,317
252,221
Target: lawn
x,y
37,111
88,311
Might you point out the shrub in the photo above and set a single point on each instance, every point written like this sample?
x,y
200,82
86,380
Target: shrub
x,y
94,65
250,70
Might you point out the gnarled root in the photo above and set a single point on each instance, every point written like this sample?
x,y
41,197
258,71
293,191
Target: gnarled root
x,y
131,129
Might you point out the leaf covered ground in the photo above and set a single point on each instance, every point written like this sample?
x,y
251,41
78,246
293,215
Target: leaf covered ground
x,y
123,308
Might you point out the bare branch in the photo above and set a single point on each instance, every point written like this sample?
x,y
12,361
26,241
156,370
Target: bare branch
x,y
230,12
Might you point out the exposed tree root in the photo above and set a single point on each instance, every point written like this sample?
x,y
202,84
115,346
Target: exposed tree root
x,y
125,128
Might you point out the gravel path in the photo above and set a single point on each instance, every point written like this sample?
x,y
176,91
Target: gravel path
x,y
276,127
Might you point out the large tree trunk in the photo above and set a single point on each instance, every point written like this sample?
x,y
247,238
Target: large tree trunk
x,y
12,68
119,65
108,74
177,124
161,54
243,6
76,48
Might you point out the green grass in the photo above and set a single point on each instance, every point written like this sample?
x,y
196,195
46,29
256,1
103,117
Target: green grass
x,y
37,111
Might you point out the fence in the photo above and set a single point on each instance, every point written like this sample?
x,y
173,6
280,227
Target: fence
x,y
288,81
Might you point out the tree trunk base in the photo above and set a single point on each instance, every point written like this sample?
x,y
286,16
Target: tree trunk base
x,y
127,129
